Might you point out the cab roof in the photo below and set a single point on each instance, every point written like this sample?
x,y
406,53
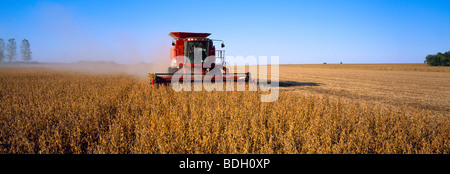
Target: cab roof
x,y
177,35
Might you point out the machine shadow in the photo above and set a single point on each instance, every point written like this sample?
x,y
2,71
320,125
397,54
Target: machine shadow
x,y
294,83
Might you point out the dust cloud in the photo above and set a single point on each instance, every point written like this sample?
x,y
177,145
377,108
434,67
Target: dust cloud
x,y
72,44
139,70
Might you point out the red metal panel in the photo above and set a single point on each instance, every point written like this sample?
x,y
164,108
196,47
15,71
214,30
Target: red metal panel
x,y
177,52
177,35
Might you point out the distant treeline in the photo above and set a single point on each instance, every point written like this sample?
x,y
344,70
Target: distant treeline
x,y
438,59
8,51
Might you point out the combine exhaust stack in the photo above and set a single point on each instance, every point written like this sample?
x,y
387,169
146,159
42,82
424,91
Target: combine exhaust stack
x,y
198,55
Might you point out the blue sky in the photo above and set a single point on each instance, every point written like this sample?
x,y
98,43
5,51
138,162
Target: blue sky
x,y
299,32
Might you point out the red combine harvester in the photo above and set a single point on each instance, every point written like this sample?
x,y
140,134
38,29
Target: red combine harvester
x,y
187,67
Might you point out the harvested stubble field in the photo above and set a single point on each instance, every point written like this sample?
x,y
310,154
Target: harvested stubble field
x,y
321,109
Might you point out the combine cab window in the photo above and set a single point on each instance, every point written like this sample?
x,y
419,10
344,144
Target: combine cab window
x,y
195,47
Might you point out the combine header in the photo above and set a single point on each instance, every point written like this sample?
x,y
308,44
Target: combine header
x,y
195,59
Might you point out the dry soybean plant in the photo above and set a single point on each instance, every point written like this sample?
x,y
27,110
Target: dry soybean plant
x,y
44,112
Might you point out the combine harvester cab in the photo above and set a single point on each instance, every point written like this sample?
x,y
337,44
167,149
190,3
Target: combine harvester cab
x,y
184,67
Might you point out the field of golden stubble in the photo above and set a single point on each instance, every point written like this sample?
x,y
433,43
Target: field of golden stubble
x,y
416,86
44,111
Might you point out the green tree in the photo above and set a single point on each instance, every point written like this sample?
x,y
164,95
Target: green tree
x,y
430,60
25,50
446,61
12,49
2,48
438,59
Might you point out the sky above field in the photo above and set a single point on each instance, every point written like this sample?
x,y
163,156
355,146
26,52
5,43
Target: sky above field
x,y
299,32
